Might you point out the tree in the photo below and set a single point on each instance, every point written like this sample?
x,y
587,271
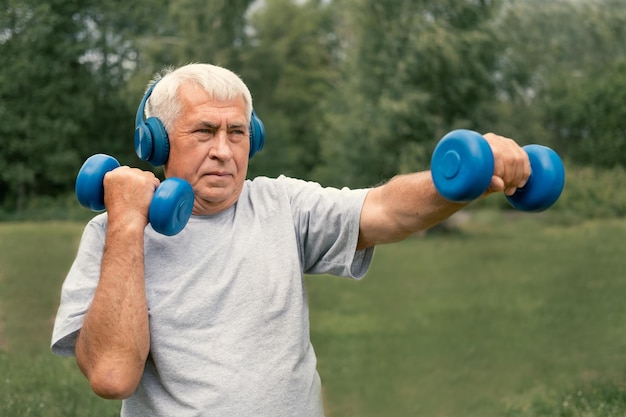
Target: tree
x,y
587,117
561,58
44,102
113,31
290,68
64,66
414,69
185,31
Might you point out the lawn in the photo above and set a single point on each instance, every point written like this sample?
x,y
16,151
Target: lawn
x,y
511,316
485,323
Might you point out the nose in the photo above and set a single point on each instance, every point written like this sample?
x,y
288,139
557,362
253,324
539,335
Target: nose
x,y
220,147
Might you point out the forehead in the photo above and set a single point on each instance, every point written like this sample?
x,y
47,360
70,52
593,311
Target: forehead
x,y
194,99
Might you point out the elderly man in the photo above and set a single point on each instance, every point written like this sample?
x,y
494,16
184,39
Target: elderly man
x,y
214,320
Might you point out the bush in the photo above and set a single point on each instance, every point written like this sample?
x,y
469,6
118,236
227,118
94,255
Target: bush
x,y
589,193
594,192
61,207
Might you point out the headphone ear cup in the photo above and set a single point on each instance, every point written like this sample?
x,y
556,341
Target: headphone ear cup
x,y
151,142
257,134
143,141
160,142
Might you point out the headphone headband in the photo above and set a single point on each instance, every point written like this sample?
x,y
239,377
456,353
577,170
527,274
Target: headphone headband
x,y
142,106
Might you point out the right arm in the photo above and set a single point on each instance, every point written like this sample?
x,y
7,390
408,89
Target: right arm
x,y
114,341
409,203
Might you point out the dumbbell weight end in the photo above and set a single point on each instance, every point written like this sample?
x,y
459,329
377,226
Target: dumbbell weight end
x,y
89,189
171,206
462,165
544,185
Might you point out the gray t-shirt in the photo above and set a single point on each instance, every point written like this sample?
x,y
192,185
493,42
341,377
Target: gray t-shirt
x,y
229,318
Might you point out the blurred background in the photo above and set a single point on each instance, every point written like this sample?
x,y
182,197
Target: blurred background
x,y
351,92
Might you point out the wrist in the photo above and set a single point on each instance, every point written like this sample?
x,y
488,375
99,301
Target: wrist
x,y
127,224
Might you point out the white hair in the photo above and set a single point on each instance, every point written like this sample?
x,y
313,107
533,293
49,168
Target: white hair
x,y
219,83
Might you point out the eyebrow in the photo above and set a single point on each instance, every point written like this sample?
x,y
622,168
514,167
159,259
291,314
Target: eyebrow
x,y
236,125
215,126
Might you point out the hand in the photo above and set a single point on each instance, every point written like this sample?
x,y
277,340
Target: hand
x,y
128,193
511,165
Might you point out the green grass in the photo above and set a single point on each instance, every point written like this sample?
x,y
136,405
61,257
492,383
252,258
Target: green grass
x,y
34,258
514,316
480,324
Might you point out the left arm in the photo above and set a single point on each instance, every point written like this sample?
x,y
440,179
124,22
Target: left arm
x,y
409,203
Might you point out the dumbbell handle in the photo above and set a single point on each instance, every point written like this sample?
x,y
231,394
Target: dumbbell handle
x,y
170,207
462,166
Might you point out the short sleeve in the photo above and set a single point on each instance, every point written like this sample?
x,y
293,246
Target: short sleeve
x,y
79,287
327,224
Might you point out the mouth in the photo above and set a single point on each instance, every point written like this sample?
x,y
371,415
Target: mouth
x,y
217,174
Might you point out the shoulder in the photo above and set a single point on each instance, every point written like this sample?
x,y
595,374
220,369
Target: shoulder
x,y
280,182
304,194
281,186
95,229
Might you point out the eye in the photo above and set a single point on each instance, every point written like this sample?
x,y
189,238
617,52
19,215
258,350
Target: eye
x,y
237,134
204,133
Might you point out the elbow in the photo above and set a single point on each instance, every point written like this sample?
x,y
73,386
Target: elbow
x,y
110,383
111,387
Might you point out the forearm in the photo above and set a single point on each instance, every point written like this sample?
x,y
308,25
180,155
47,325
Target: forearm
x,y
114,341
401,207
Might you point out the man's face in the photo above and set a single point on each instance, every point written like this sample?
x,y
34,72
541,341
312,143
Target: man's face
x,y
209,147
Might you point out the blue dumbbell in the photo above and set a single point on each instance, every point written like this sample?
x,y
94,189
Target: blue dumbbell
x,y
170,207
462,166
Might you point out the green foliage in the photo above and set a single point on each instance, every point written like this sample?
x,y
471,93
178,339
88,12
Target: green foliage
x,y
587,117
352,92
594,193
414,69
589,193
62,207
561,77
197,30
290,69
64,63
42,120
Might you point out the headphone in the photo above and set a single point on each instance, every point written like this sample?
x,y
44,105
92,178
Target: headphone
x,y
153,145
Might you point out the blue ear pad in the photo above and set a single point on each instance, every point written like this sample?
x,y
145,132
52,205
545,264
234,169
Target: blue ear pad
x,y
151,141
257,134
143,141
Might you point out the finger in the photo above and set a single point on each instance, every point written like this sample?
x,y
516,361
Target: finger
x,y
510,162
520,170
498,167
510,191
152,179
496,185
